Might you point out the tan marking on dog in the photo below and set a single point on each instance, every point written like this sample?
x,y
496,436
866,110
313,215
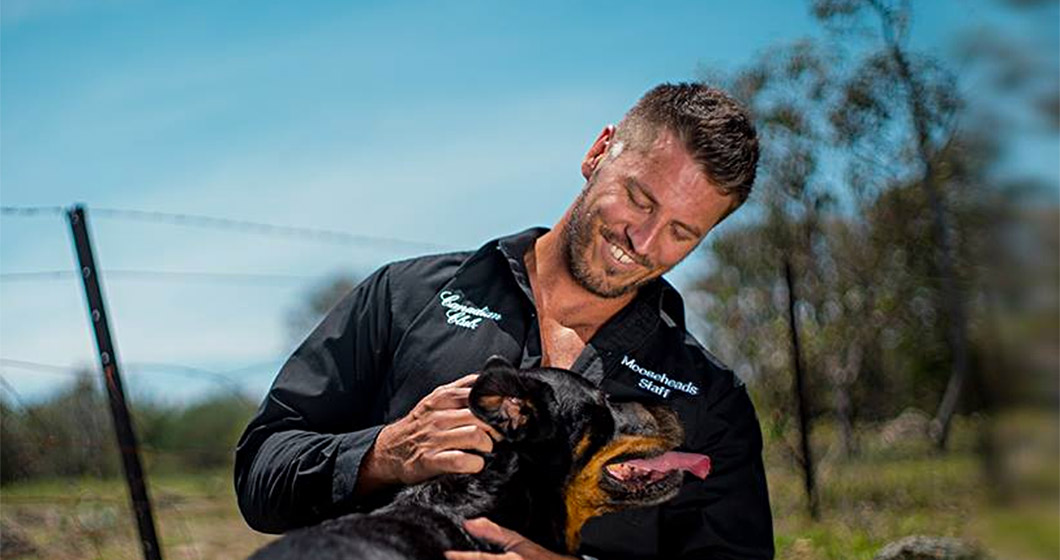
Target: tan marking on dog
x,y
510,408
584,498
582,446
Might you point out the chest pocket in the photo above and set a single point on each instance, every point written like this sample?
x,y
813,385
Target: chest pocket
x,y
454,335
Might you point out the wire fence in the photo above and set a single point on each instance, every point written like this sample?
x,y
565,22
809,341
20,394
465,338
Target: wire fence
x,y
187,447
314,235
318,235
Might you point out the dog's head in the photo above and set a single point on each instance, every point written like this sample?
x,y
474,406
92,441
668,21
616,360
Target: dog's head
x,y
606,456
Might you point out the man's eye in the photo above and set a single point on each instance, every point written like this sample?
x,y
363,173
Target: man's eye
x,y
639,202
681,235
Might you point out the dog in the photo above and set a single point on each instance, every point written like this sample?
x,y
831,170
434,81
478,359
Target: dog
x,y
568,454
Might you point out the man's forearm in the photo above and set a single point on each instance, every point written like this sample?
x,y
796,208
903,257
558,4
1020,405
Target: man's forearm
x,y
297,478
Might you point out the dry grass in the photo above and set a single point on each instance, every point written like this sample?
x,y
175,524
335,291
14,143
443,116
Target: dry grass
x,y
195,515
889,491
892,491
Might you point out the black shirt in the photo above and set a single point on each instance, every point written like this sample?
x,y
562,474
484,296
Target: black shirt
x,y
416,324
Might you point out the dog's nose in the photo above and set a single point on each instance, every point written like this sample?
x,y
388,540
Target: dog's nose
x,y
668,423
636,419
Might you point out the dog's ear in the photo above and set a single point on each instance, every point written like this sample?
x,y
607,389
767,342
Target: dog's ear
x,y
498,363
515,405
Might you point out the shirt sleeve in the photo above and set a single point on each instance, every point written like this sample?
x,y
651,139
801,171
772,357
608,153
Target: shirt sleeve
x,y
297,461
727,515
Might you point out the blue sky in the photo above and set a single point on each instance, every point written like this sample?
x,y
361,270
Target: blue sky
x,y
441,122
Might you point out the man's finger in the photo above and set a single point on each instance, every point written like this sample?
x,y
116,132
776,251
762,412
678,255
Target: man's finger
x,y
453,461
510,541
449,419
451,395
487,530
446,398
463,438
454,555
465,381
461,388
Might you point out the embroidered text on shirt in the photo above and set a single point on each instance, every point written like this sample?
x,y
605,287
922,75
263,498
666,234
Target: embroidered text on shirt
x,y
463,315
649,378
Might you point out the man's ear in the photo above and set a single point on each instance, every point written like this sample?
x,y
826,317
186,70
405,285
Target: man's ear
x,y
598,151
515,405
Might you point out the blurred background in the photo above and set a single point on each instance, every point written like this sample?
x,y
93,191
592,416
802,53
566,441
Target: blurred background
x,y
889,294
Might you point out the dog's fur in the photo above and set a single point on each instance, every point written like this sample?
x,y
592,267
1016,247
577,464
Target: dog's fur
x,y
545,479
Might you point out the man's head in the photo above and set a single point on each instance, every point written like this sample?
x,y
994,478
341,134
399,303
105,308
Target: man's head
x,y
681,160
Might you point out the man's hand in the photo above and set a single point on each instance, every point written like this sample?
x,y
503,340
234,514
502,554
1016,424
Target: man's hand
x,y
430,440
516,546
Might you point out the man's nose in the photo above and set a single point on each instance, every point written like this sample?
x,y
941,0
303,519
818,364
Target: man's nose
x,y
644,235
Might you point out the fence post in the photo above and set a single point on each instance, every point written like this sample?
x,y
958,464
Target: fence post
x,y
130,452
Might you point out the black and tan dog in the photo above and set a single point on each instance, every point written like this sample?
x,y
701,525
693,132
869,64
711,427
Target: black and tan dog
x,y
568,455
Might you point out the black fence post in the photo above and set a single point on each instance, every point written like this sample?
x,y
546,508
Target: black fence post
x,y
801,399
130,452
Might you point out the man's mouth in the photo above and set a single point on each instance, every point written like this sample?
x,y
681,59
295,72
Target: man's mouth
x,y
619,255
618,252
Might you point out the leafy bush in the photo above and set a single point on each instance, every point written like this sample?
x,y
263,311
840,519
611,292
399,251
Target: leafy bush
x,y
71,434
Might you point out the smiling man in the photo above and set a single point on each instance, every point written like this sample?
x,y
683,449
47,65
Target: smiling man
x,y
376,397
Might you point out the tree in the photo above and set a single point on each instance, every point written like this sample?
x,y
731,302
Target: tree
x,y
70,434
877,189
318,301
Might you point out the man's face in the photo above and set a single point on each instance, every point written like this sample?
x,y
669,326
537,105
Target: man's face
x,y
639,214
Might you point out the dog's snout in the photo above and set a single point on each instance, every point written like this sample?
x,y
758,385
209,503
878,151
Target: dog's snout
x,y
657,421
669,425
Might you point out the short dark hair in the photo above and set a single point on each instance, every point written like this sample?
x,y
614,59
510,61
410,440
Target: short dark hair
x,y
715,129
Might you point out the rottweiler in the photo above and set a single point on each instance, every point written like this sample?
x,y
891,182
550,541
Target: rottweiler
x,y
568,454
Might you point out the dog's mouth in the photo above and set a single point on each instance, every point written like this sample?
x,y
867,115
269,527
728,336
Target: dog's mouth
x,y
650,479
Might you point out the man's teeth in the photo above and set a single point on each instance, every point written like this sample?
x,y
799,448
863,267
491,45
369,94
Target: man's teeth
x,y
619,254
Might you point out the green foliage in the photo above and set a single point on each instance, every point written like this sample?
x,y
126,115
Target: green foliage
x,y
71,435
68,435
853,141
205,434
14,447
318,301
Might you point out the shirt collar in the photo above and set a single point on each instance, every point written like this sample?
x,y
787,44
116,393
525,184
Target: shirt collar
x,y
514,248
653,300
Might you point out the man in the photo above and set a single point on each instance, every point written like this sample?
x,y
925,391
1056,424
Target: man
x,y
376,397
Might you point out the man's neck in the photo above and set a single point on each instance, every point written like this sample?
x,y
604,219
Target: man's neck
x,y
558,295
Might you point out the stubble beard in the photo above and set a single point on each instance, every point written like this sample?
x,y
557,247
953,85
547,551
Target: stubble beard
x,y
577,238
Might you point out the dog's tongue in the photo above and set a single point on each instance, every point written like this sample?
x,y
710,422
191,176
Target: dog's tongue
x,y
698,465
